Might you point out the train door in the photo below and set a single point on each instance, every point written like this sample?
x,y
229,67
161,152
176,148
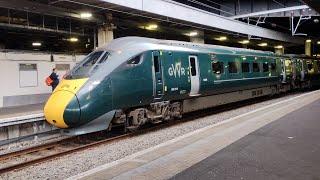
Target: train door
x,y
283,70
304,69
194,75
157,75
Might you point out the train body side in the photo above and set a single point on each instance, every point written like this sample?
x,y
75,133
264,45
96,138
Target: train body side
x,y
135,85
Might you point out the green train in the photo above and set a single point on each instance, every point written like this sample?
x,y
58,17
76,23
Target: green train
x,y
135,80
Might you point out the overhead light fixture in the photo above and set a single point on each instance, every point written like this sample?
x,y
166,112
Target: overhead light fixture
x,y
73,39
244,42
263,44
191,34
85,15
151,27
36,44
221,38
278,47
308,40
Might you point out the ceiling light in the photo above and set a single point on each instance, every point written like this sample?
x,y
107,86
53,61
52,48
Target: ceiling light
x,y
151,27
263,44
36,44
308,40
85,15
244,42
221,38
278,47
73,39
193,33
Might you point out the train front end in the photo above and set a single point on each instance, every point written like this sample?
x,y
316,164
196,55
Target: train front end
x,y
83,99
63,109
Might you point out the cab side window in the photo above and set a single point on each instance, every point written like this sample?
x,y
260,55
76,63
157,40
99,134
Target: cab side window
x,y
217,67
135,60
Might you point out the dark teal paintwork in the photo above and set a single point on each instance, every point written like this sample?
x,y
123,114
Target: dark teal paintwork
x,y
131,85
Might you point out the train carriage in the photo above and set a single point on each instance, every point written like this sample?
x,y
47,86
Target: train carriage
x,y
135,80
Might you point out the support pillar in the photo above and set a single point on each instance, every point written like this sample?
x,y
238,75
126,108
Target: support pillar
x,y
105,35
105,32
198,38
308,46
279,51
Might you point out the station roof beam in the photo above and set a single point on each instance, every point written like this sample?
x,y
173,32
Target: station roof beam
x,y
273,11
182,12
24,5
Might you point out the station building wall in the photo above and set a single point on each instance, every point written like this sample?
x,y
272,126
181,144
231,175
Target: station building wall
x,y
23,74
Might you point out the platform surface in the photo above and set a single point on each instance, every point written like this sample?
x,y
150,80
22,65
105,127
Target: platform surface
x,y
278,141
288,148
12,112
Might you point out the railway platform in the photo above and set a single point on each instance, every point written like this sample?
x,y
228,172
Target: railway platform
x,y
22,121
278,141
18,111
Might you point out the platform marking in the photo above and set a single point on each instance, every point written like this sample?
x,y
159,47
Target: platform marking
x,y
172,141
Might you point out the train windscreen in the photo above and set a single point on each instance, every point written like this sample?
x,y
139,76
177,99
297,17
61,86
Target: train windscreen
x,y
88,65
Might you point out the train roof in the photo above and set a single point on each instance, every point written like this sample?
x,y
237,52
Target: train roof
x,y
141,44
302,56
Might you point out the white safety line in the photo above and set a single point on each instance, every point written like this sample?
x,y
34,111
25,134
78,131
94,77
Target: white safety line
x,y
172,141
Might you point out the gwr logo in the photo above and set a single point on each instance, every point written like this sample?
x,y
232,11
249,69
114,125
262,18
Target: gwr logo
x,y
176,70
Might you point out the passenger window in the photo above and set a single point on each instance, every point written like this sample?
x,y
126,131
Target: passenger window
x,y
193,66
245,67
255,67
217,67
310,67
265,67
156,64
233,67
135,60
273,67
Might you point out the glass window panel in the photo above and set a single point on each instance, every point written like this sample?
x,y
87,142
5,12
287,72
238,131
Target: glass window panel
x,y
245,67
217,67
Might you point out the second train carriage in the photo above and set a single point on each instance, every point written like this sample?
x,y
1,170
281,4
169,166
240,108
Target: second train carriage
x,y
136,80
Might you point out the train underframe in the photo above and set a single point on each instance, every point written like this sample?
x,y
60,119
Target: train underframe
x,y
134,118
158,112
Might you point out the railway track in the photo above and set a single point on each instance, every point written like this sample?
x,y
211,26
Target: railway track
x,y
41,153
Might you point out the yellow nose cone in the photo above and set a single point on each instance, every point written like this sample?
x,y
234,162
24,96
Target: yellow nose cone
x,y
54,108
59,100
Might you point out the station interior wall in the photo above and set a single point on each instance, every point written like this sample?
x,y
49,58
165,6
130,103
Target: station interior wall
x,y
23,74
